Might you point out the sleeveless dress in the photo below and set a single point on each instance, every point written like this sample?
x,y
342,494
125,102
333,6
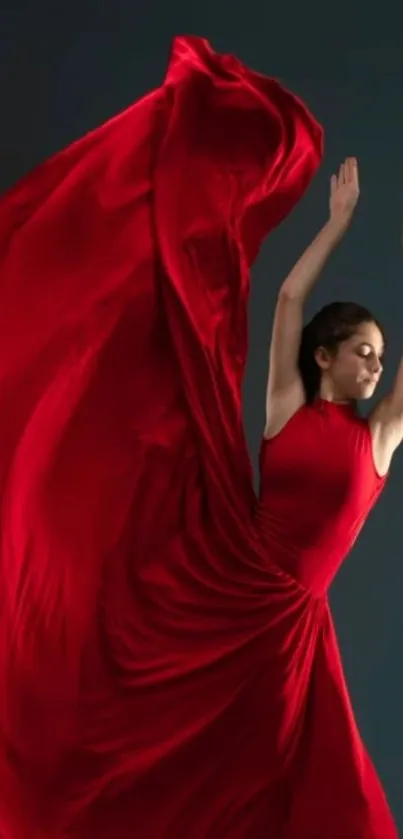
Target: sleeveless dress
x,y
167,658
318,485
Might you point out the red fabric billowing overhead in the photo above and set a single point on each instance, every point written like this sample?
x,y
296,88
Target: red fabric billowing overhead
x,y
144,628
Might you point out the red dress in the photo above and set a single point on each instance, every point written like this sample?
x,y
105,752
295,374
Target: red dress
x,y
167,659
318,485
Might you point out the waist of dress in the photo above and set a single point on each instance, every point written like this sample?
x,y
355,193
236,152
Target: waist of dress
x,y
310,561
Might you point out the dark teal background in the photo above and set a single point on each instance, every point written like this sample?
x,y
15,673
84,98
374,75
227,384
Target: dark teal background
x,y
64,68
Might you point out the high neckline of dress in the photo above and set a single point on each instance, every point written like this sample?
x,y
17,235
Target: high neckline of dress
x,y
349,408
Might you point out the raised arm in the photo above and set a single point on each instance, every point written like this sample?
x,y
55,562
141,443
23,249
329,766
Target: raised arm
x,y
386,423
285,392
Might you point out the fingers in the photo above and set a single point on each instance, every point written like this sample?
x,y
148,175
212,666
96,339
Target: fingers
x,y
344,191
353,163
351,169
348,173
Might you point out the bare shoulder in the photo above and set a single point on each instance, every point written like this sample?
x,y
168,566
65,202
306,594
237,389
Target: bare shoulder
x,y
281,407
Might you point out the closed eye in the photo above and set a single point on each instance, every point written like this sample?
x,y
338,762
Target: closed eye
x,y
367,351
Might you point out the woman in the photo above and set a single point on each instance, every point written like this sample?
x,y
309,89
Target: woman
x,y
338,356
168,663
322,470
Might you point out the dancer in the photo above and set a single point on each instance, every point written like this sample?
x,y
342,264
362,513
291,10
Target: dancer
x,y
323,468
168,662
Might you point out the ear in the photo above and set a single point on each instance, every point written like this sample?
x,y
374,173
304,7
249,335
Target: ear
x,y
323,358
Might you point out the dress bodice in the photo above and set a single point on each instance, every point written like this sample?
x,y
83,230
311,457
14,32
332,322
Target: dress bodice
x,y
318,483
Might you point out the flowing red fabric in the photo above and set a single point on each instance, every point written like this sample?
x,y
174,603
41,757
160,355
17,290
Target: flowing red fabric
x,y
146,635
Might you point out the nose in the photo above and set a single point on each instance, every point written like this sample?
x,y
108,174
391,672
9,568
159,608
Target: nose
x,y
376,366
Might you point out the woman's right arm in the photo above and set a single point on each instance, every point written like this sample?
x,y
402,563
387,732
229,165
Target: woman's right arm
x,y
285,392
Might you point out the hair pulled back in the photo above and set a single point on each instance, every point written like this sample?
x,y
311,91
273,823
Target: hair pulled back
x,y
332,325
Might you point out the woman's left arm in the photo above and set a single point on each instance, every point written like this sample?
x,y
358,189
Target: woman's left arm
x,y
386,424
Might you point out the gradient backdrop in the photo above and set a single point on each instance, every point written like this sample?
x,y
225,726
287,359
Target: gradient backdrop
x,y
65,67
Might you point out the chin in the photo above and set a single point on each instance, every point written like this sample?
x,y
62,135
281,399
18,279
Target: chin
x,y
366,391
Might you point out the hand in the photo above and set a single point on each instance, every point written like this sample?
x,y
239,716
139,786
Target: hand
x,y
344,192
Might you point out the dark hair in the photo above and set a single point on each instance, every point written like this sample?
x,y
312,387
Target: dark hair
x,y
332,325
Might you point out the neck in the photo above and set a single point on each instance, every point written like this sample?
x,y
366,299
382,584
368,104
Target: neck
x,y
329,394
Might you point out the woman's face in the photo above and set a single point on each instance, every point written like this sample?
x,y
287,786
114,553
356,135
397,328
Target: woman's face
x,y
353,372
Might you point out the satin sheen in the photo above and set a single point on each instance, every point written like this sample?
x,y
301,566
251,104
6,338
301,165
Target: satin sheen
x,y
168,662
